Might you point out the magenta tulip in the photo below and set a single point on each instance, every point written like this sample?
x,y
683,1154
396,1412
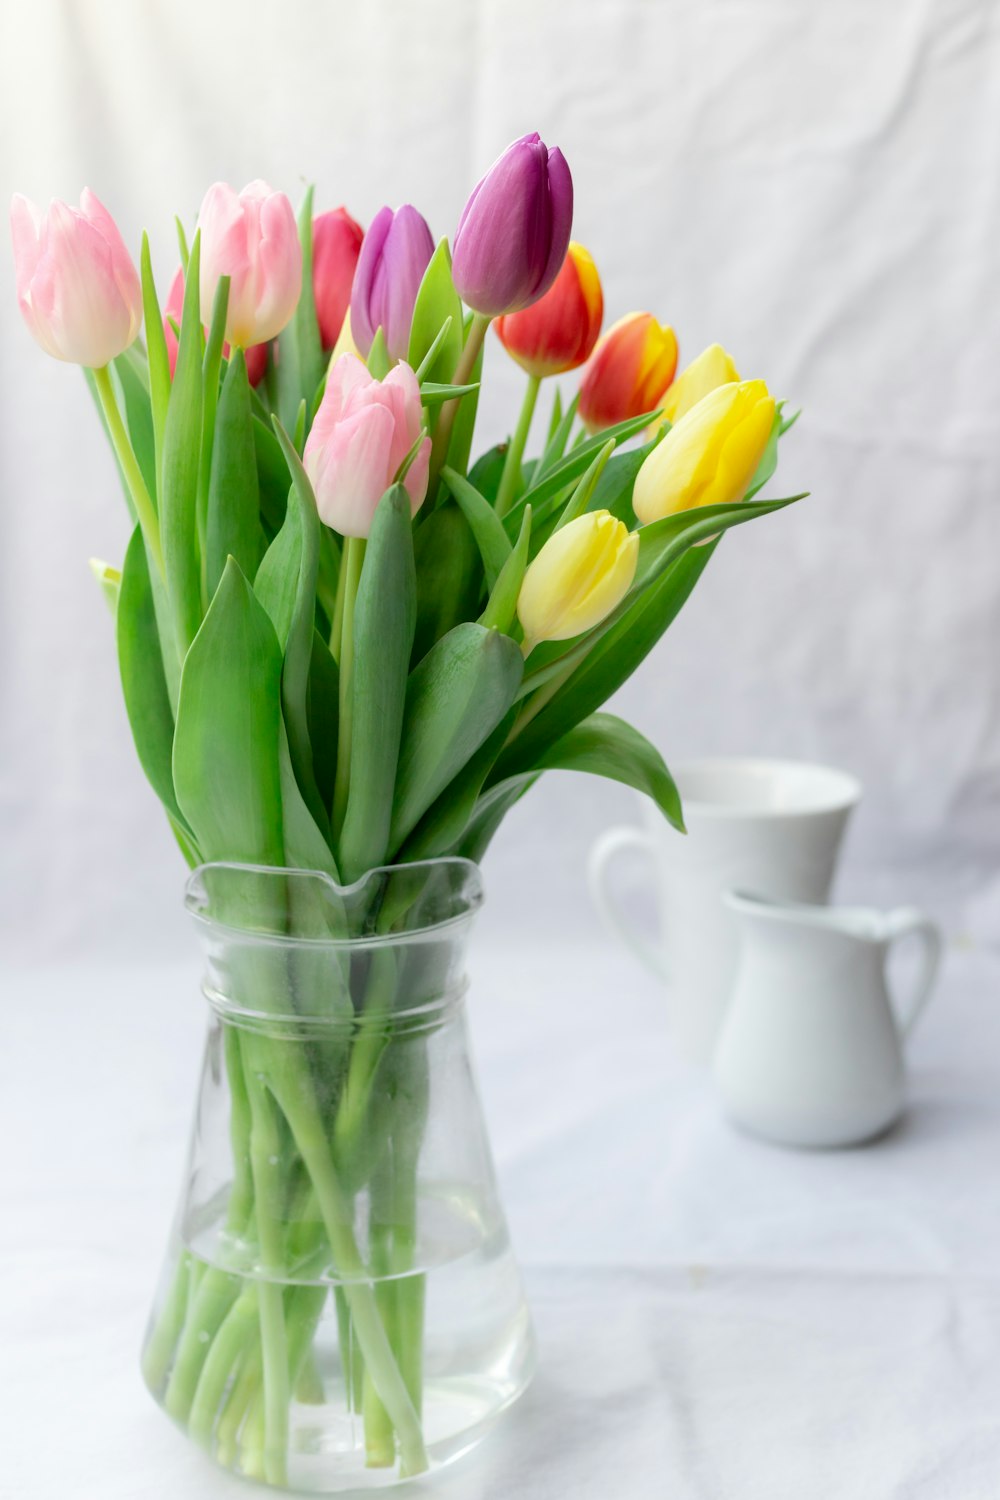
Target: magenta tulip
x,y
336,245
363,431
391,266
514,231
77,287
252,238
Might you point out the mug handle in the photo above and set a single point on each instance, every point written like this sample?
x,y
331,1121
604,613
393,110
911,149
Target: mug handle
x,y
908,922
610,844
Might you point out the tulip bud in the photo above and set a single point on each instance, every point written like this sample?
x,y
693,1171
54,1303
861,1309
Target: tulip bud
x,y
632,366
77,287
363,431
712,368
252,238
558,332
173,308
336,243
514,231
394,256
711,454
582,572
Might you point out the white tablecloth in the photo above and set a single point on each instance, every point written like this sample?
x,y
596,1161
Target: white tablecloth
x,y
718,1319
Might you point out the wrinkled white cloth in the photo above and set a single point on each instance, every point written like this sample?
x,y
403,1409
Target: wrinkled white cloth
x,y
812,184
718,1319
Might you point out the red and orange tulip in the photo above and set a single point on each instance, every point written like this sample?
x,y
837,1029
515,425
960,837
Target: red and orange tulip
x,y
558,332
632,367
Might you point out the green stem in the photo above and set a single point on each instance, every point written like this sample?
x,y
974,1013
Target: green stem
x,y
144,507
354,556
241,1394
229,1343
511,475
449,411
380,1442
268,1180
159,1350
293,1094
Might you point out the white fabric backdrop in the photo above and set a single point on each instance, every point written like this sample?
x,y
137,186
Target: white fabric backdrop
x,y
816,186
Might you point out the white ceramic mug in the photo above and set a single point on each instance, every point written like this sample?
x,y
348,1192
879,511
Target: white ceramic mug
x,y
811,1052
769,826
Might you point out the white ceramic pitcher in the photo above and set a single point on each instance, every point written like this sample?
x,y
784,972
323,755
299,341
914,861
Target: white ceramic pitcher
x,y
772,826
811,1052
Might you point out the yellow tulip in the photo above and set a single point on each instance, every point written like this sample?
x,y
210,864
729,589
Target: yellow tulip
x,y
710,456
712,368
583,571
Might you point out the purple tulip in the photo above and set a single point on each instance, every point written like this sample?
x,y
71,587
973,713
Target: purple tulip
x,y
514,231
394,256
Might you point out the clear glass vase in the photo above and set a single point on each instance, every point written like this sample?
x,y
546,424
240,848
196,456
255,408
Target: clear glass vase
x,y
340,1307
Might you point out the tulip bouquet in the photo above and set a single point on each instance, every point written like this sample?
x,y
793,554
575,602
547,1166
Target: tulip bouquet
x,y
345,646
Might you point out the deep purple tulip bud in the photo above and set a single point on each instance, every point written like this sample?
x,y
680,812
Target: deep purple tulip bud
x,y
514,231
394,256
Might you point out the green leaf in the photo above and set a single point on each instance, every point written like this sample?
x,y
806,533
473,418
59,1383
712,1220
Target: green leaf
x,y
211,366
226,764
181,453
426,365
233,520
144,684
446,821
560,428
612,660
384,622
660,542
110,579
580,499
132,383
568,470
555,421
487,528
301,626
614,488
437,302
158,360
323,709
501,611
379,363
272,473
300,361
603,745
449,576
306,847
455,699
486,471
490,812
277,582
182,244
460,443
435,395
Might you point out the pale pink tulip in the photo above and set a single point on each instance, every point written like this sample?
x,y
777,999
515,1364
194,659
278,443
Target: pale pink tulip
x,y
363,431
252,238
173,308
77,287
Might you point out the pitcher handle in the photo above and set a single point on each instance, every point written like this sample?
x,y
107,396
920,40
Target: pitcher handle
x,y
908,922
605,850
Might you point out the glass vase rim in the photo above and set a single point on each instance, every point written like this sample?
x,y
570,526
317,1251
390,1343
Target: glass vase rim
x,y
473,896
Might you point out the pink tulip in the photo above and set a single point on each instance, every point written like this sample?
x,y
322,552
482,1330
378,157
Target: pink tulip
x,y
256,355
336,245
252,238
77,287
363,431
